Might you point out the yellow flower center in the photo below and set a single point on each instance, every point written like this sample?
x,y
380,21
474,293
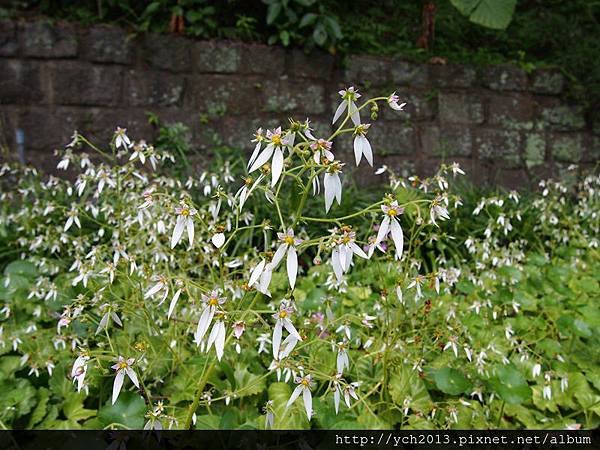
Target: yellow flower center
x,y
276,139
185,212
123,365
289,240
304,382
392,212
213,301
283,314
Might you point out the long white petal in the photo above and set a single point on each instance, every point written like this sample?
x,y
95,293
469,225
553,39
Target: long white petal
x,y
292,265
256,272
307,397
276,338
367,151
277,166
278,256
398,238
133,377
383,230
117,385
212,337
264,156
339,111
218,239
254,154
265,280
330,190
357,149
354,113
336,400
289,326
173,303
294,395
153,290
190,230
338,188
335,262
220,341
204,323
358,251
178,231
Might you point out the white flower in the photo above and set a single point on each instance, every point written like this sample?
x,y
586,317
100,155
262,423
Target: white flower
x,y
244,192
259,137
391,224
275,149
332,184
261,277
321,151
72,217
304,389
161,284
438,210
108,314
79,371
547,392
217,336
123,366
342,361
536,371
211,302
288,247
349,97
282,320
184,220
173,303
270,414
393,102
343,251
138,152
362,145
452,344
121,139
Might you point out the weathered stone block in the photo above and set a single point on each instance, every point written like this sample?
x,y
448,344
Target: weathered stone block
x,y
500,146
452,75
9,41
535,150
446,141
367,70
460,108
407,73
505,78
216,57
42,40
547,82
168,52
566,147
107,44
220,95
21,81
285,96
262,59
314,65
391,138
76,83
145,88
564,117
511,111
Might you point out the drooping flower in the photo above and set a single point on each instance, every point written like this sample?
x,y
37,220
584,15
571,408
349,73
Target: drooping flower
x,y
162,284
211,302
391,224
362,145
342,360
282,320
332,184
259,137
121,139
344,249
438,210
260,277
79,370
274,148
217,337
288,247
72,217
304,384
185,220
270,414
218,239
349,97
393,102
123,367
321,150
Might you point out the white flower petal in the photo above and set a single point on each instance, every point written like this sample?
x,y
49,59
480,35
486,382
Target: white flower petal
x,y
256,273
277,166
307,397
383,230
264,156
178,231
276,340
173,303
339,111
294,395
218,239
292,265
398,238
117,385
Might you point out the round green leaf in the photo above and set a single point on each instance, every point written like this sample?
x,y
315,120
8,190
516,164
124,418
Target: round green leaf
x,y
129,411
510,385
451,381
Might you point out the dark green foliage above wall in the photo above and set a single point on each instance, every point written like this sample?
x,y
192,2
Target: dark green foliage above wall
x,y
539,33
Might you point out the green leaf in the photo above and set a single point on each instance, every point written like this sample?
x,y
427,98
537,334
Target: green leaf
x,y
510,385
292,418
43,395
73,407
273,12
21,268
128,410
207,422
495,14
308,19
247,383
451,381
406,384
320,35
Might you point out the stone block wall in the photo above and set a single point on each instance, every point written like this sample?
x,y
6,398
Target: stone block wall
x,y
503,125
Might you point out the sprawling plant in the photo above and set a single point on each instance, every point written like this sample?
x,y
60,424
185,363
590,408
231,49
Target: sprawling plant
x,y
202,303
